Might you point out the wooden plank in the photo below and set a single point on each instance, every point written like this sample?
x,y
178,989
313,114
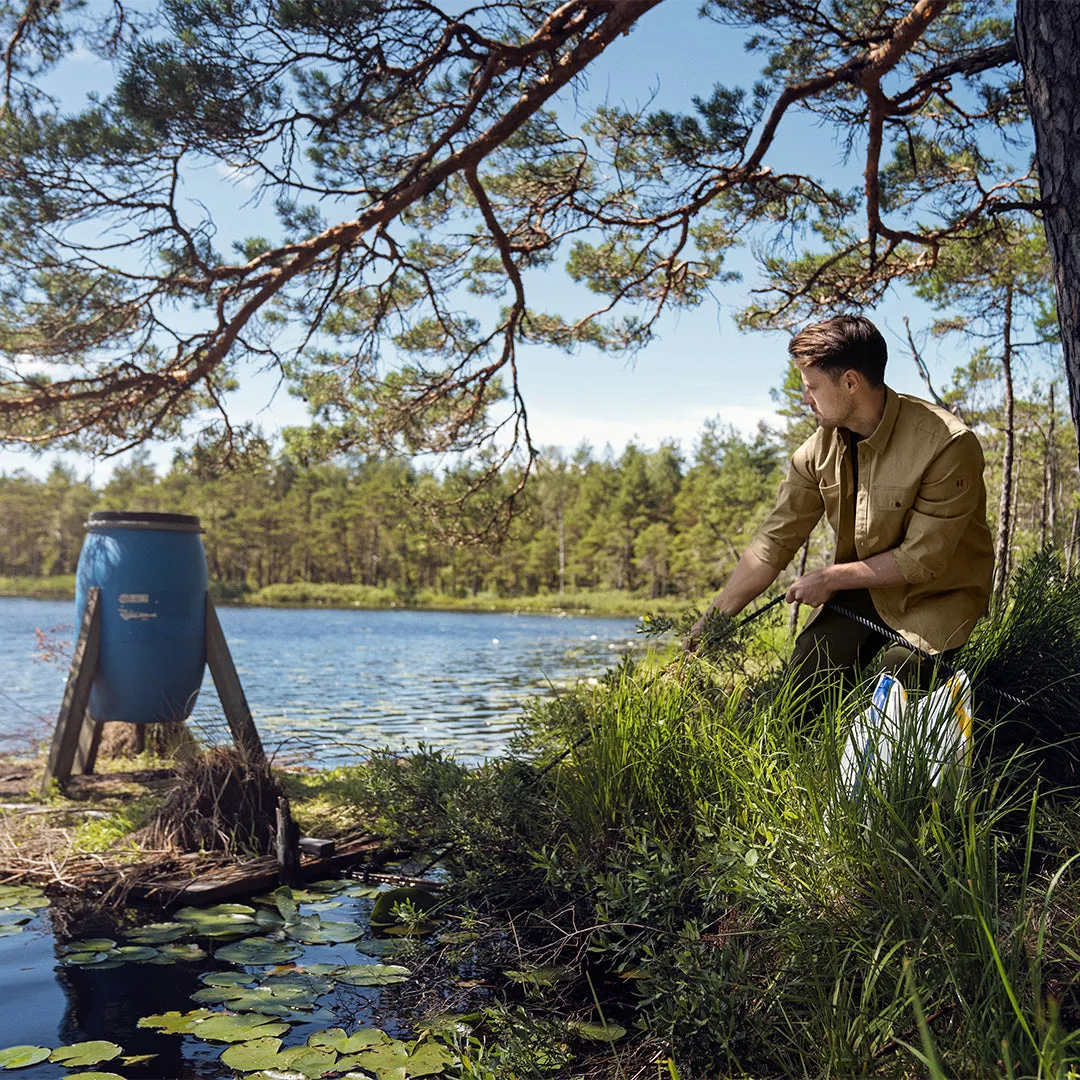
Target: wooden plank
x,y
257,876
87,750
310,845
230,691
69,722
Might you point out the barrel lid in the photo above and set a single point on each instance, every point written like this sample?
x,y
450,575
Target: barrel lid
x,y
127,519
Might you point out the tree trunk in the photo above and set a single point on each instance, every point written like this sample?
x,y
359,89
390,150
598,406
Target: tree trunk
x,y
1004,533
1048,41
1049,516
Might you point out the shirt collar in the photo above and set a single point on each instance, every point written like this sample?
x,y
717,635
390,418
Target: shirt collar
x,y
878,439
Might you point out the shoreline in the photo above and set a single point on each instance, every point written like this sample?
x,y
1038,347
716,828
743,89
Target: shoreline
x,y
600,604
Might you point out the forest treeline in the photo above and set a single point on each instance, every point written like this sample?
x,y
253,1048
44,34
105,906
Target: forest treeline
x,y
654,522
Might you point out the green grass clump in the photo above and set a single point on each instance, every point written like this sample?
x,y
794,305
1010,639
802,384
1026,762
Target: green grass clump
x,y
696,868
60,587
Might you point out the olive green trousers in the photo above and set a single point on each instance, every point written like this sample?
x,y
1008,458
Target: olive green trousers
x,y
833,651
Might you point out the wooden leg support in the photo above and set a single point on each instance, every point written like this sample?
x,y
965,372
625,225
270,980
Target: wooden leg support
x,y
72,740
230,691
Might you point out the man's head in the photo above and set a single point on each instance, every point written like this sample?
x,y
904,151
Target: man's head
x,y
842,364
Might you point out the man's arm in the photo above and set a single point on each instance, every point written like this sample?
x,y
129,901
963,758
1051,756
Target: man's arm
x,y
877,572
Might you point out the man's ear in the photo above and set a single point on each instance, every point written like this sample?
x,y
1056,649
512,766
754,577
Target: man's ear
x,y
852,380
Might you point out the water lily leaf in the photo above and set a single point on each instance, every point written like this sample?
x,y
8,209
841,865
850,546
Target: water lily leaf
x,y
287,904
337,1039
256,1054
15,916
178,953
312,969
279,1074
135,954
257,950
96,1075
363,892
22,896
326,905
80,959
381,946
268,920
8,930
137,1059
97,944
598,1032
227,978
311,1061
256,999
86,1053
222,920
175,1023
383,911
417,929
372,974
158,933
323,933
541,976
384,1061
429,1058
19,1057
223,1027
306,980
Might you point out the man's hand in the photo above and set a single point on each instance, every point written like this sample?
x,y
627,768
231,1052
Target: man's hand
x,y
814,588
711,631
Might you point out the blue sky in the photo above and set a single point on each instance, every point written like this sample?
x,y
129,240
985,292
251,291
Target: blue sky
x,y
701,366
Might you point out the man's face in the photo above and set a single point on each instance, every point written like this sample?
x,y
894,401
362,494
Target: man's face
x,y
831,399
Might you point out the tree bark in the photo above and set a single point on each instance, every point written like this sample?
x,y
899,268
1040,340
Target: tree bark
x,y
1004,533
1048,41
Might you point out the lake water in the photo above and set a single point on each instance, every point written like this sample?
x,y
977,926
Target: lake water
x,y
326,686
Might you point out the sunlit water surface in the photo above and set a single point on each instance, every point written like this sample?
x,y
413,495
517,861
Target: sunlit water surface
x,y
326,686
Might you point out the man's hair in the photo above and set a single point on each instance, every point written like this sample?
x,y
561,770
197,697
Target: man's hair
x,y
844,343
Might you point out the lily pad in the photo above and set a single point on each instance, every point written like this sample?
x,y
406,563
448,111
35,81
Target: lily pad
x,y
382,946
11,928
15,916
222,920
94,1076
598,1032
135,954
19,1057
227,978
86,1053
256,999
97,944
257,950
256,1054
81,959
307,980
382,1060
179,952
159,933
388,903
429,1058
223,1027
175,1023
372,974
337,1039
313,931
363,892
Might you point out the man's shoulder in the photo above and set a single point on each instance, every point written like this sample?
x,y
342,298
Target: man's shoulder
x,y
930,419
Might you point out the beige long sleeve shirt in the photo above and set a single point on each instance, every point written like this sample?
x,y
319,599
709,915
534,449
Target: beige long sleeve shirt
x,y
921,497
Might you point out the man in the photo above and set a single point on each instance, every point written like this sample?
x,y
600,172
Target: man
x,y
901,482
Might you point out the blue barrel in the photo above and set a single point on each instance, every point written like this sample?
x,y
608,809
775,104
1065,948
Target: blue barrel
x,y
151,570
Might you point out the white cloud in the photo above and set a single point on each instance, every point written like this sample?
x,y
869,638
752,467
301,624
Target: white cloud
x,y
567,429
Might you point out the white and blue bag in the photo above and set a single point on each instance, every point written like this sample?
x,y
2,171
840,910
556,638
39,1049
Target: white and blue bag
x,y
894,740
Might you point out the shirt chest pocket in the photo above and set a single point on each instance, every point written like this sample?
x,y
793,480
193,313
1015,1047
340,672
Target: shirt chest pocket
x,y
887,511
